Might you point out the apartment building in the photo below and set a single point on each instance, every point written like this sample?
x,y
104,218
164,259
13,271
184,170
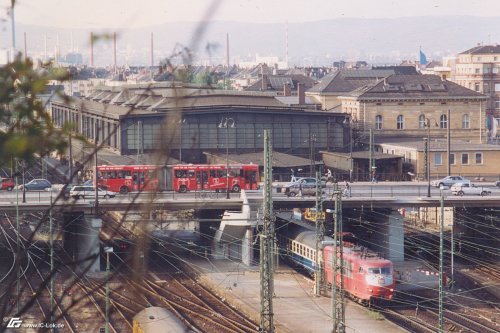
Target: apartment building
x,y
479,69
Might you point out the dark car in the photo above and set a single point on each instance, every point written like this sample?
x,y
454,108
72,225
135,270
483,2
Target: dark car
x,y
7,184
497,183
37,185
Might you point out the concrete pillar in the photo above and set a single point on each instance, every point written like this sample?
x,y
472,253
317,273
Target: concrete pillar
x,y
88,244
246,247
395,237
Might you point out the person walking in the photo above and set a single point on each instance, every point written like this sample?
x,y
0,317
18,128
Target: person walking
x,y
300,190
347,190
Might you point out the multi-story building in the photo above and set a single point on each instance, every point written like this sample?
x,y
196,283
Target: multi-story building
x,y
479,69
405,106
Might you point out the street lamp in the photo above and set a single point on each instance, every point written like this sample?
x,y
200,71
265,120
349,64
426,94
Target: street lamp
x,y
350,122
427,146
107,250
227,123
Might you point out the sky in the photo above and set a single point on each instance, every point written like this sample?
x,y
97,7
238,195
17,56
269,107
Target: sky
x,y
134,13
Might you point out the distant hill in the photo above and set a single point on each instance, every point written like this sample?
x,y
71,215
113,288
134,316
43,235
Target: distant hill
x,y
310,43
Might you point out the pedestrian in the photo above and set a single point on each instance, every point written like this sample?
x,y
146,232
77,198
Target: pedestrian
x,y
294,179
329,176
300,190
347,190
374,178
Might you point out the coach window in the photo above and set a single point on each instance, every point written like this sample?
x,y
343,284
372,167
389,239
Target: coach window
x,y
191,173
180,173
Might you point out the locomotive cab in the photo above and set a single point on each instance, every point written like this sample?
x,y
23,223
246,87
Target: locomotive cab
x,y
379,279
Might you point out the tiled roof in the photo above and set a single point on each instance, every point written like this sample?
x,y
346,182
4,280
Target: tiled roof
x,y
280,160
483,49
415,86
349,80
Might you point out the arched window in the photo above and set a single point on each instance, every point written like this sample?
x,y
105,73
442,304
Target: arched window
x,y
378,122
465,121
400,122
443,121
421,121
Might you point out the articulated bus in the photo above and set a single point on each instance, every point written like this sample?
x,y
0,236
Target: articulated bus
x,y
180,177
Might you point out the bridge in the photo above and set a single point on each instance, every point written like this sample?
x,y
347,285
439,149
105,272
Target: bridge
x,y
238,225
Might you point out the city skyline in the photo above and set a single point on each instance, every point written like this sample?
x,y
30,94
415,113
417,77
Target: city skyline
x,y
129,14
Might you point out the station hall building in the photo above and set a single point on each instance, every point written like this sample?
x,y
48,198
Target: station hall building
x,y
187,121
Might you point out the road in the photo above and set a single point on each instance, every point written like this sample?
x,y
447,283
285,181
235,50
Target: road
x,y
362,189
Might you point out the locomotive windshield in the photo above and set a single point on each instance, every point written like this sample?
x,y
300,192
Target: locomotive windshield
x,y
379,270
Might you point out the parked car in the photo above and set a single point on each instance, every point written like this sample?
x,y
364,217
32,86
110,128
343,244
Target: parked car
x,y
308,187
81,191
7,184
66,189
449,181
497,183
467,188
37,185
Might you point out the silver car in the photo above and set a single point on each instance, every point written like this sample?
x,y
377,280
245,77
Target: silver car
x,y
81,191
449,181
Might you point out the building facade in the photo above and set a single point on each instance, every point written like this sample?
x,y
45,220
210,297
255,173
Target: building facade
x,y
479,69
188,122
407,106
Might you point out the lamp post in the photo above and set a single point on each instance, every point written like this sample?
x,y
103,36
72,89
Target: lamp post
x,y
107,250
427,147
350,122
312,139
226,123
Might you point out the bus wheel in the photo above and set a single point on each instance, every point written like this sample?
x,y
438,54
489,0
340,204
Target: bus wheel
x,y
124,190
236,188
183,189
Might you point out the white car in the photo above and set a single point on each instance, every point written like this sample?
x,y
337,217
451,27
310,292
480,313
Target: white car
x,y
81,191
449,181
467,188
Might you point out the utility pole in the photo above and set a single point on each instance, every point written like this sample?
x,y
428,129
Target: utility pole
x,y
139,142
95,173
319,281
338,304
441,227
371,170
18,249
448,142
52,274
426,166
266,242
70,169
312,139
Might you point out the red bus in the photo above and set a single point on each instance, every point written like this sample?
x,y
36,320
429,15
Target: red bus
x,y
181,177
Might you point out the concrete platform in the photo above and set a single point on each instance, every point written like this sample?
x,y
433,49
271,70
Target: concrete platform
x,y
296,309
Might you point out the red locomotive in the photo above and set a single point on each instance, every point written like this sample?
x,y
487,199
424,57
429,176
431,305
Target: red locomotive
x,y
366,276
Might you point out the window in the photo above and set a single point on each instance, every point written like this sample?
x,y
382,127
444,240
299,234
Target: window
x,y
378,122
400,123
465,121
476,86
495,70
452,159
465,158
479,158
443,121
497,104
477,71
497,86
421,121
438,159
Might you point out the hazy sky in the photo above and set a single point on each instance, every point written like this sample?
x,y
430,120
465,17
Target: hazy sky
x,y
134,13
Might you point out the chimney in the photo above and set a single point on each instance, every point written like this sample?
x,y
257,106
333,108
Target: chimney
x,y
91,49
301,93
287,90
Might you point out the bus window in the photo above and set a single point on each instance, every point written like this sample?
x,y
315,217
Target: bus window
x,y
213,174
191,173
180,173
141,178
221,173
152,174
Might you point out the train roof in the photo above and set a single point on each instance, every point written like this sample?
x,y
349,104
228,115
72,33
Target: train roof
x,y
158,319
308,238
